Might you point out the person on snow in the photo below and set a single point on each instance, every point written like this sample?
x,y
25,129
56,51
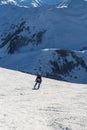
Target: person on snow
x,y
38,81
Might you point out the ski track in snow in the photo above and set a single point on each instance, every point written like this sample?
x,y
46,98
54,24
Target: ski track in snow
x,y
55,106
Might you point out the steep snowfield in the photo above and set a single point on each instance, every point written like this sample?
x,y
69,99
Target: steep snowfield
x,y
55,106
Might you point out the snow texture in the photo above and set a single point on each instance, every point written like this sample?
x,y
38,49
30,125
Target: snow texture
x,y
55,106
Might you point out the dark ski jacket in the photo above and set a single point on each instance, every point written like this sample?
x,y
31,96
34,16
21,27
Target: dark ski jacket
x,y
38,79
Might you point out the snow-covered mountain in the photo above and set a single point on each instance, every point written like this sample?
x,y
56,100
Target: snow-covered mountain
x,y
55,106
33,3
50,39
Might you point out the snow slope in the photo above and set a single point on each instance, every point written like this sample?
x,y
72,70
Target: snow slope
x,y
55,106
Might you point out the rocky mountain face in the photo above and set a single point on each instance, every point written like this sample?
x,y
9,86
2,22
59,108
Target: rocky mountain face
x,y
16,39
50,39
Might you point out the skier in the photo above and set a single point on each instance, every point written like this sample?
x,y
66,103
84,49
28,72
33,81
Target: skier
x,y
38,81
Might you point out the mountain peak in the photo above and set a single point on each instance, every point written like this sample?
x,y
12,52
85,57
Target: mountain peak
x,y
34,3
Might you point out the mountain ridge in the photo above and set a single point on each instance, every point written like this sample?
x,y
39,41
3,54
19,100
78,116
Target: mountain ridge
x,y
38,3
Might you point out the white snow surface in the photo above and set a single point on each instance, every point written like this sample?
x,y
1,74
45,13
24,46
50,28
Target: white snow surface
x,y
55,106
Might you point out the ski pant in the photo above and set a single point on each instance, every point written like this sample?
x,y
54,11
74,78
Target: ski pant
x,y
37,83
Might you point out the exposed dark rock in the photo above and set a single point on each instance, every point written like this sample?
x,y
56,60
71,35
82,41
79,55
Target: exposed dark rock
x,y
59,70
63,53
39,36
16,40
84,48
16,43
10,36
